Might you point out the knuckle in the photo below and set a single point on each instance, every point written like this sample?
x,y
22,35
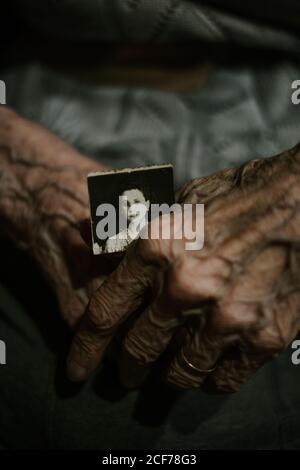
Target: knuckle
x,y
187,193
234,316
99,318
270,340
180,281
226,317
134,347
233,372
156,249
224,382
176,377
148,249
142,346
84,346
194,279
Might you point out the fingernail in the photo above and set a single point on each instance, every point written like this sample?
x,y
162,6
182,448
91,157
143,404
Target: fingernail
x,y
76,373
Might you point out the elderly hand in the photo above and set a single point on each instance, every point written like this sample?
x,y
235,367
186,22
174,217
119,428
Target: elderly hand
x,y
220,312
43,197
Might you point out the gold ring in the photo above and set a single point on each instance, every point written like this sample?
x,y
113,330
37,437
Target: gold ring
x,y
197,369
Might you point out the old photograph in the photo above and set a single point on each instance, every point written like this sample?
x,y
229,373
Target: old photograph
x,y
120,202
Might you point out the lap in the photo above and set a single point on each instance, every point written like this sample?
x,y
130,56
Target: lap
x,y
39,408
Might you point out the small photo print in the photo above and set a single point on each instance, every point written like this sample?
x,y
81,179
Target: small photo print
x,y
120,203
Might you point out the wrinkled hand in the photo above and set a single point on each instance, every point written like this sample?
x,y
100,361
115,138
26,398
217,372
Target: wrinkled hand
x,y
222,311
43,197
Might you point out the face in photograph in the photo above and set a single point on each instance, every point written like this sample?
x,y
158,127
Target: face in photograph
x,y
133,205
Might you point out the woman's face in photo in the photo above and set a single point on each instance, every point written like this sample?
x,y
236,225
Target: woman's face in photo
x,y
133,204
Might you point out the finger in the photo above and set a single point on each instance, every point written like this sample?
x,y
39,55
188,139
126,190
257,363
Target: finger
x,y
196,359
119,296
147,340
235,369
209,280
257,348
227,320
186,285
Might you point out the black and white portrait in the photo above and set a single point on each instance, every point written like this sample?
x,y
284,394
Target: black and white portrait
x,y
120,203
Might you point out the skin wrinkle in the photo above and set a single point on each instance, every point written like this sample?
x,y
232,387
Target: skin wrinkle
x,y
261,245
274,220
252,249
35,204
14,160
255,205
46,217
41,203
151,342
54,185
